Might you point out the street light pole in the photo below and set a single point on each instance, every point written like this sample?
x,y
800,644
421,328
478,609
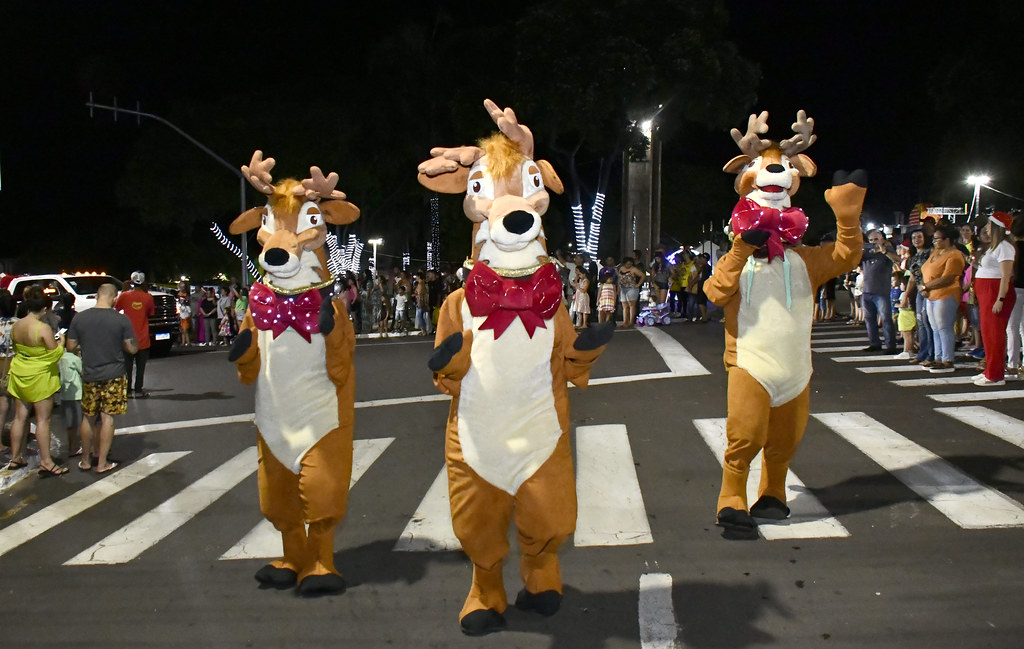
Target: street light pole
x,y
234,169
977,181
375,243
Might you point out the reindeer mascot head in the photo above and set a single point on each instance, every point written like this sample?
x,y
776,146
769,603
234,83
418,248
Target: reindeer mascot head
x,y
504,349
768,308
296,344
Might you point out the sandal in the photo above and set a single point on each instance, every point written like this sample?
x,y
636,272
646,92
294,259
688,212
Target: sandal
x,y
82,466
16,464
110,467
56,469
77,453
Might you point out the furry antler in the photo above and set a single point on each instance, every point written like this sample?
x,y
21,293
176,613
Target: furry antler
x,y
511,128
316,187
804,138
446,160
257,172
749,142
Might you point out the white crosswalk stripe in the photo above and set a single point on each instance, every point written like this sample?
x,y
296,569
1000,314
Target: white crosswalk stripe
x,y
990,421
892,369
959,497
933,381
808,517
60,511
847,348
264,542
149,529
985,394
611,506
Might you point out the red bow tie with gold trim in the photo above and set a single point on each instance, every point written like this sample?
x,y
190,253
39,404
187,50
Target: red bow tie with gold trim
x,y
300,312
533,300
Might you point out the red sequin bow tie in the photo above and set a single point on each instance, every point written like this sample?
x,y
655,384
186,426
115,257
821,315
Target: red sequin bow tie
x,y
788,224
300,312
533,300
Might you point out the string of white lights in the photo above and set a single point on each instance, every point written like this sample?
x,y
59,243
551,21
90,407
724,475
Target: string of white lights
x,y
596,215
235,250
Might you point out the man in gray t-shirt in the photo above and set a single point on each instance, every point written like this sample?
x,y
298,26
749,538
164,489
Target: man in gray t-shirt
x,y
876,266
104,335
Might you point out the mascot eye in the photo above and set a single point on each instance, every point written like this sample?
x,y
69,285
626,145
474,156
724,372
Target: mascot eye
x,y
532,181
479,183
268,219
309,217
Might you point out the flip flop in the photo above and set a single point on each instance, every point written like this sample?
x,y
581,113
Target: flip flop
x,y
56,469
77,453
16,464
82,466
110,467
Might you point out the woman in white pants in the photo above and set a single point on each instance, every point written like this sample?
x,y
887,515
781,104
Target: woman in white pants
x,y
1015,327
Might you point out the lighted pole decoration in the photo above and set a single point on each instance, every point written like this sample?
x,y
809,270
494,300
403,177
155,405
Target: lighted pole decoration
x,y
375,242
978,182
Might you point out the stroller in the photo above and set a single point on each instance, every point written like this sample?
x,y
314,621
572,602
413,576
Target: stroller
x,y
654,314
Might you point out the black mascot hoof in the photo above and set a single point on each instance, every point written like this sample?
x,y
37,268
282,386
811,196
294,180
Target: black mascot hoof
x,y
770,508
858,177
272,577
317,585
326,317
482,622
737,525
756,237
241,345
546,603
595,336
445,352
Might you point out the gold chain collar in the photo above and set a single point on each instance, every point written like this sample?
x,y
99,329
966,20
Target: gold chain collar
x,y
295,291
509,272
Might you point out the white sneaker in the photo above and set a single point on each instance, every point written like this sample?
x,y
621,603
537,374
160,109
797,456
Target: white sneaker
x,y
977,377
985,383
902,356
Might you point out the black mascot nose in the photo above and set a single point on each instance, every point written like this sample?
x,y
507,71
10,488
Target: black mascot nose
x,y
276,256
775,169
518,222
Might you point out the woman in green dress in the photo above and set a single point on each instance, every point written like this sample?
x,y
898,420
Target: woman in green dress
x,y
34,378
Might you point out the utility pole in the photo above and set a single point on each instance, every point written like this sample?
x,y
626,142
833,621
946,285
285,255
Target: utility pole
x,y
234,169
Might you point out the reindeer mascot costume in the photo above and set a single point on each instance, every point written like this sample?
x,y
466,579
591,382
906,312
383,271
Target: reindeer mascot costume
x,y
766,285
296,343
505,348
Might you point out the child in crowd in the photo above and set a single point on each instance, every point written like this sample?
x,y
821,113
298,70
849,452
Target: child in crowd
x,y
401,300
383,314
185,313
581,299
906,324
606,299
70,368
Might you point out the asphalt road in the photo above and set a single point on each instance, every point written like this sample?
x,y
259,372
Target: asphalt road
x,y
908,533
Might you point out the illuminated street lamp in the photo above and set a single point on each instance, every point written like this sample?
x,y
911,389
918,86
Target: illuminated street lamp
x,y
978,182
375,243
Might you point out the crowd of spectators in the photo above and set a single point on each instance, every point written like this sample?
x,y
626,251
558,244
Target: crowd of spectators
x,y
944,288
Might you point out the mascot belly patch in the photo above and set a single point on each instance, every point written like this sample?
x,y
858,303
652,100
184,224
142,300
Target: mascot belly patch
x,y
508,425
290,427
771,341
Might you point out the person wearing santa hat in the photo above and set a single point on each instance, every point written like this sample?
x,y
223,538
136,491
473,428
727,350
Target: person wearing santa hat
x,y
996,297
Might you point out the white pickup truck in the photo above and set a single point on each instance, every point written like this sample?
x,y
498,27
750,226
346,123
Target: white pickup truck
x,y
163,326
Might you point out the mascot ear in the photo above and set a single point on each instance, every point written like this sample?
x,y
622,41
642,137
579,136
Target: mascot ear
x,y
550,178
737,163
804,165
339,212
249,220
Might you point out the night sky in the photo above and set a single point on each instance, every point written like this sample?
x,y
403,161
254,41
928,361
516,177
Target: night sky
x,y
918,93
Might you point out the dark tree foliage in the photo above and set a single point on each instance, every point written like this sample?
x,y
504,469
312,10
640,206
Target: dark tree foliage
x,y
585,72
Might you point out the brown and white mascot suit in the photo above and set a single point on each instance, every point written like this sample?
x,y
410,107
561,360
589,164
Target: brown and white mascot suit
x,y
296,344
766,285
504,349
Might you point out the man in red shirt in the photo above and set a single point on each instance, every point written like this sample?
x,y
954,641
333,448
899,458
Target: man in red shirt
x,y
138,305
